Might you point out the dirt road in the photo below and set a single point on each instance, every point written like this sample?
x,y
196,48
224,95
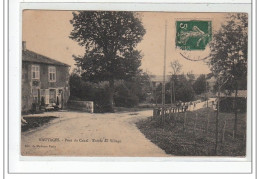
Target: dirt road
x,y
85,134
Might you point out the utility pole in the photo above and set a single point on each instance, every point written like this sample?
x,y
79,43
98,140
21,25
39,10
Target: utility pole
x,y
206,93
173,87
171,93
217,121
164,69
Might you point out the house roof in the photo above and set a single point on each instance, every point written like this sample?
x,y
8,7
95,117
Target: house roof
x,y
159,78
30,56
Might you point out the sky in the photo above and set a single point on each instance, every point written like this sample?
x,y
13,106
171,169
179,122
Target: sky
x,y
47,33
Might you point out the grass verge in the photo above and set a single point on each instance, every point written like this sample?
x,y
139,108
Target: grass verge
x,y
33,122
197,139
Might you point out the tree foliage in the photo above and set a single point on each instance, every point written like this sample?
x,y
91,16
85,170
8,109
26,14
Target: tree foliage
x,y
229,50
183,90
176,67
229,57
110,39
129,93
191,77
199,85
88,91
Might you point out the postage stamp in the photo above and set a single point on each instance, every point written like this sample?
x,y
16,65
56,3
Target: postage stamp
x,y
193,35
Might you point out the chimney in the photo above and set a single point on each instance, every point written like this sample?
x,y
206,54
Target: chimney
x,y
24,45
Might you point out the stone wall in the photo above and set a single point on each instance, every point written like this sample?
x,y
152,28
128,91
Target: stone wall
x,y
87,106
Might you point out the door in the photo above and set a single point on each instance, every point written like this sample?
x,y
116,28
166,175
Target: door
x,y
52,96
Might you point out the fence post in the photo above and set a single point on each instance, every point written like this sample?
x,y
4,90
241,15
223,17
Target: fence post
x,y
154,113
207,128
223,131
195,122
184,120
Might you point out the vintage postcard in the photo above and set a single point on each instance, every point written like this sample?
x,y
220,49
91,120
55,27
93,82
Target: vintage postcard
x,y
134,84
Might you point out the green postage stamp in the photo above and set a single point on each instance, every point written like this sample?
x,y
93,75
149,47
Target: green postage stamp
x,y
193,35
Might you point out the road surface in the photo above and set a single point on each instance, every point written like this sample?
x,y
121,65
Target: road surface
x,y
85,134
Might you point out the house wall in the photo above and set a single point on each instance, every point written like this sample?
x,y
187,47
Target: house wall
x,y
43,84
26,88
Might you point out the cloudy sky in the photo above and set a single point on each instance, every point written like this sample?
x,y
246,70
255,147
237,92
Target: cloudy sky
x,y
47,33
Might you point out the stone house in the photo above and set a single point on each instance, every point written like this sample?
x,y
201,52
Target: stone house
x,y
45,81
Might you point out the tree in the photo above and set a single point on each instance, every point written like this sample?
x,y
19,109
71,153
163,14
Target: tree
x,y
124,96
129,93
183,89
199,85
109,39
229,54
176,67
191,77
140,85
88,91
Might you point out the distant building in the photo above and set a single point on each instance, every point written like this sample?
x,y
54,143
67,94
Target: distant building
x,y
45,81
157,79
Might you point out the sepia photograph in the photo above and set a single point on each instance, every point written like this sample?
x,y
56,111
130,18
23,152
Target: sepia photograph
x,y
134,84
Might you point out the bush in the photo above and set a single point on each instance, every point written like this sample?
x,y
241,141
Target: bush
x,y
86,91
126,101
101,100
227,105
124,97
183,91
127,93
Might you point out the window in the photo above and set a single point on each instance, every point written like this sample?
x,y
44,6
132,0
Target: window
x,y
52,74
35,72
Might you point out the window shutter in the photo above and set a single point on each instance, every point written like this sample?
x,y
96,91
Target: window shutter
x,y
37,72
